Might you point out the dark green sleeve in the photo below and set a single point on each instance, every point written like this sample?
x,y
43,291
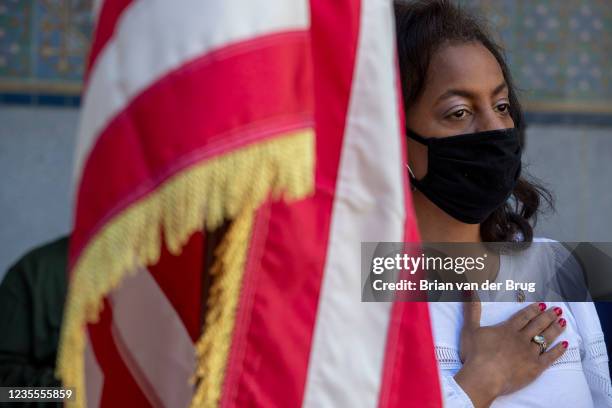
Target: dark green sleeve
x,y
17,365
32,296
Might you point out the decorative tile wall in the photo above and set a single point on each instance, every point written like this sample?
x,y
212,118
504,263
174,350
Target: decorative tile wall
x,y
43,49
560,51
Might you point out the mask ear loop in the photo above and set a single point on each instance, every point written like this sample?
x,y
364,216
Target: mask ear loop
x,y
420,139
412,186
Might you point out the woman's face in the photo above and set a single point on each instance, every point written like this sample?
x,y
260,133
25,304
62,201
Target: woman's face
x,y
465,92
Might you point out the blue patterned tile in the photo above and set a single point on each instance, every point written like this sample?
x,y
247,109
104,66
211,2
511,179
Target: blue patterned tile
x,y
560,52
63,35
43,45
15,23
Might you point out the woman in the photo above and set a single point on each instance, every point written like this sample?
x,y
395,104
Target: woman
x,y
455,82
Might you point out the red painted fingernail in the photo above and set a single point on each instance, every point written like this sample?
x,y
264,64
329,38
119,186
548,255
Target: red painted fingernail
x,y
565,344
558,311
562,322
542,306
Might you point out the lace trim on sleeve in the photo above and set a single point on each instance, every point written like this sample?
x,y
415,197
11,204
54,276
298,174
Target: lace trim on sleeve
x,y
595,349
448,357
595,365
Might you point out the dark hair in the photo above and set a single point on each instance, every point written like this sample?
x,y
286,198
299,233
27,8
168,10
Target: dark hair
x,y
422,28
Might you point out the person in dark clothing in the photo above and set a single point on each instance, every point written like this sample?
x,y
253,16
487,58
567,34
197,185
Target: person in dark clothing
x,y
32,296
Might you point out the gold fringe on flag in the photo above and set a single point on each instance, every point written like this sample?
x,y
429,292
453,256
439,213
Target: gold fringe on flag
x,y
213,346
230,186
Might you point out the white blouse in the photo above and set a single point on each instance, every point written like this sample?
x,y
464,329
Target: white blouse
x,y
578,379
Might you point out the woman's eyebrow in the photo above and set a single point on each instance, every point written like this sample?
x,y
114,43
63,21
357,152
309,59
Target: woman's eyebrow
x,y
501,87
469,94
455,92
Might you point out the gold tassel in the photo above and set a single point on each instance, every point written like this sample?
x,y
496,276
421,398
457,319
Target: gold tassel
x,y
231,186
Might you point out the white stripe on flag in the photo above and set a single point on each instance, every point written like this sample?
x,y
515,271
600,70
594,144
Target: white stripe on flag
x,y
155,37
153,341
94,377
348,350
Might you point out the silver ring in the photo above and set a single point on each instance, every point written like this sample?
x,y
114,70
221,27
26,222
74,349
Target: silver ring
x,y
540,341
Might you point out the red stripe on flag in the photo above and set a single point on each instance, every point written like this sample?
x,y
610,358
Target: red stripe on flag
x,y
410,377
410,374
269,358
105,28
243,93
180,279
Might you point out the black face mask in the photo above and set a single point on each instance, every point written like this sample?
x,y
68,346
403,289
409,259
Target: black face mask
x,y
469,176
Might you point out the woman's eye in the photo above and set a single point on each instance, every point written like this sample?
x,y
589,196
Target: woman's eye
x,y
503,107
461,113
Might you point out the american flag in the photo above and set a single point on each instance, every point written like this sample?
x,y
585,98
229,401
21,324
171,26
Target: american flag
x,y
284,119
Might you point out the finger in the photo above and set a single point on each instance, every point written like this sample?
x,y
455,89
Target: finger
x,y
550,333
548,358
471,295
539,323
522,318
471,314
554,330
